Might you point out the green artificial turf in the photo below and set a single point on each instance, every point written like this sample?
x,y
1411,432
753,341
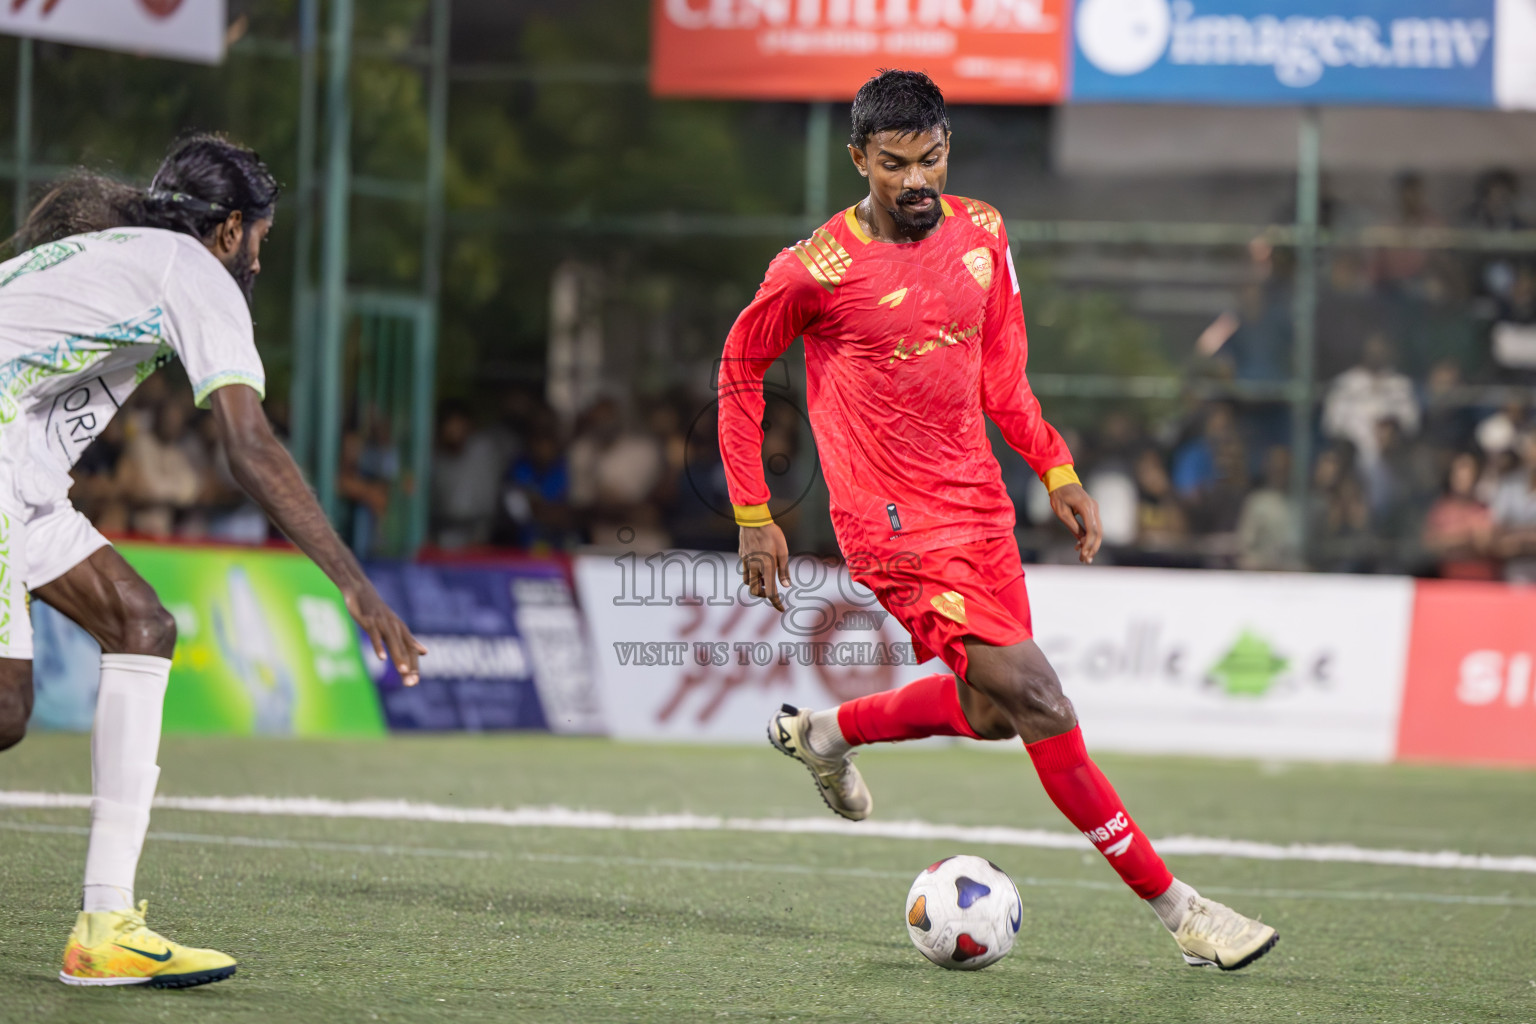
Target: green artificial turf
x,y
359,920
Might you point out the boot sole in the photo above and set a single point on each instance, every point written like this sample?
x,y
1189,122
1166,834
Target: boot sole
x,y
773,739
190,980
1244,962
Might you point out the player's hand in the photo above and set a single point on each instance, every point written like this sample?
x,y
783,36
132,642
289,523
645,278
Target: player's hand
x,y
1080,512
389,635
765,562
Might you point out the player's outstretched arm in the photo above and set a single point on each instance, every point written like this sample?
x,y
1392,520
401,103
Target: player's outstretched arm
x,y
263,467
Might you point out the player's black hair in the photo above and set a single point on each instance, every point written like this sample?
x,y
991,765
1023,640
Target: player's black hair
x,y
897,101
200,183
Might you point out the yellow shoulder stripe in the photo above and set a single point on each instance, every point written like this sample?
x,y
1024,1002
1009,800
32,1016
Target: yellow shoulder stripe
x,y
983,215
825,258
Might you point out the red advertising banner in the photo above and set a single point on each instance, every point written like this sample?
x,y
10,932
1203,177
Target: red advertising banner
x,y
1471,689
979,51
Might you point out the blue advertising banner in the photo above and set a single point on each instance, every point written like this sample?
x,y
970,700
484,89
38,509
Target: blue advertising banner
x,y
507,648
1400,52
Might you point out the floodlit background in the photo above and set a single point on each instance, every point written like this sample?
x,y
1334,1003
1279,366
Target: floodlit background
x,y
1278,263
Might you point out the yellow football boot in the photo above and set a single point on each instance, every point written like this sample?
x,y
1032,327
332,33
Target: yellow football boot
x,y
1215,934
115,947
837,780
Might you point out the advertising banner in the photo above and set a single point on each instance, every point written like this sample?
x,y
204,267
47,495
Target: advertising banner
x,y
1212,663
507,648
264,645
1227,663
184,29
979,51
1471,692
1400,52
683,652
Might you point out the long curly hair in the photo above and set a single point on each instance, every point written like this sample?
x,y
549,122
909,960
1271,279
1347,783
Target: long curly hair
x,y
203,180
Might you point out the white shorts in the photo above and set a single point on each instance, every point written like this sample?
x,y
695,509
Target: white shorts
x,y
37,546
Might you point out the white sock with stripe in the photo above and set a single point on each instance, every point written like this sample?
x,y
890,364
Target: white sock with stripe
x,y
125,743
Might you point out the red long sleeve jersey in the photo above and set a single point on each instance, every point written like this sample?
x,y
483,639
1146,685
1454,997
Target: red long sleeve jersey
x,y
907,346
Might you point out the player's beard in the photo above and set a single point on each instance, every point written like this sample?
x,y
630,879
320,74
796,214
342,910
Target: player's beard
x,y
242,269
916,223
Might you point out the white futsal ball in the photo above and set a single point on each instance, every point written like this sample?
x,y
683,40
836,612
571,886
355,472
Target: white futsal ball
x,y
963,913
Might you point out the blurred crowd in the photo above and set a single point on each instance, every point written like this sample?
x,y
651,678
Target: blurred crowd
x,y
1424,444
1422,451
157,470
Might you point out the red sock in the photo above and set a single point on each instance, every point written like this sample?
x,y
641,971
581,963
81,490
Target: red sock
x,y
1077,787
928,707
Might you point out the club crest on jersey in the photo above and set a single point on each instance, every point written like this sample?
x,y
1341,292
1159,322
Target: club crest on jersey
x,y
950,605
979,263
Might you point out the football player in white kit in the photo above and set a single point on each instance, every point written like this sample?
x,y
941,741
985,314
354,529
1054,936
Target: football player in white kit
x,y
116,281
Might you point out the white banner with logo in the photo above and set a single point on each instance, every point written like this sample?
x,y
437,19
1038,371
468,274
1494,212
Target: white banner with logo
x,y
1226,663
1206,663
684,653
185,29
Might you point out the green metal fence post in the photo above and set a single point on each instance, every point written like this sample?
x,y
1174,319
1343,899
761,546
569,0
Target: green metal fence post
x,y
333,260
818,125
23,129
1304,310
301,386
425,363
424,368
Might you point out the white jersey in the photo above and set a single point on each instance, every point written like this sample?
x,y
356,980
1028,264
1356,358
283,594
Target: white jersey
x,y
84,320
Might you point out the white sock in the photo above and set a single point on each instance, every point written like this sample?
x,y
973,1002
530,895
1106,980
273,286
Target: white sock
x,y
125,742
826,736
1172,905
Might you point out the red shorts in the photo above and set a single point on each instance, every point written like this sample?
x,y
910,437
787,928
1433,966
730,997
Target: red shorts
x,y
944,596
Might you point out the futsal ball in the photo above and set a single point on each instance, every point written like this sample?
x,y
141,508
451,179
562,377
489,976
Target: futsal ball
x,y
963,913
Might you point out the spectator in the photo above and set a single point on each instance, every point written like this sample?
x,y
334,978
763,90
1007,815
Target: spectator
x,y
466,480
370,470
700,517
1210,472
536,493
1389,481
1363,396
1339,516
1514,331
1458,531
1160,519
1401,271
1514,515
1496,207
615,473
1268,530
158,476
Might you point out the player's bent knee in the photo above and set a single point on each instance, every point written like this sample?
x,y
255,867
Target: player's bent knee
x,y
144,626
1039,696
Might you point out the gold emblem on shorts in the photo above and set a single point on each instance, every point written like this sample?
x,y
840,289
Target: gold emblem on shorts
x,y
979,263
950,605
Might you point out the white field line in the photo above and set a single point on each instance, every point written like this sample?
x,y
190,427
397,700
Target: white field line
x,y
760,867
565,817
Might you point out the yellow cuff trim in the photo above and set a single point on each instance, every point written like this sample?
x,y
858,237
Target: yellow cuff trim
x,y
752,515
1060,476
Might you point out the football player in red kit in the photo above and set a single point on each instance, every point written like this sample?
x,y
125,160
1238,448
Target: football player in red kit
x,y
914,333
